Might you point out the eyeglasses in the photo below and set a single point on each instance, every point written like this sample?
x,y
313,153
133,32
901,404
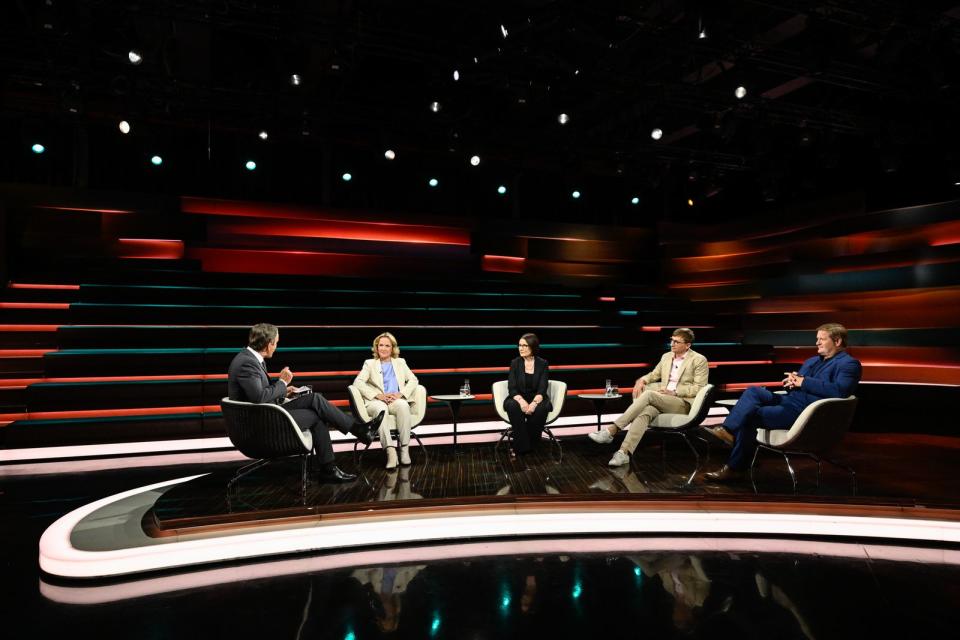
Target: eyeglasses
x,y
521,345
672,341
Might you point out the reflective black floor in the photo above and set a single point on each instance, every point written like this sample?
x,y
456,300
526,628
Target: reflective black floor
x,y
657,594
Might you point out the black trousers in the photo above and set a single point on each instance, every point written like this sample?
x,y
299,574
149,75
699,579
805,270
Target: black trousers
x,y
526,428
313,412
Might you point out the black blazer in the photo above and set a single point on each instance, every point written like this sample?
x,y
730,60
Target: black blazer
x,y
541,377
247,381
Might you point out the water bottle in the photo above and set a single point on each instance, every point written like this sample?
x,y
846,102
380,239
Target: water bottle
x,y
466,387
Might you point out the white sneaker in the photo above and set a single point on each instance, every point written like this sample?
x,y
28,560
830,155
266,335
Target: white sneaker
x,y
601,437
619,459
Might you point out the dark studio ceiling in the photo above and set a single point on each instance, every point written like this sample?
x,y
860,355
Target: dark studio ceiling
x,y
840,96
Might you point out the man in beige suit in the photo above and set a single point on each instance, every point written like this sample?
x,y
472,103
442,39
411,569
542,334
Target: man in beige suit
x,y
387,384
673,384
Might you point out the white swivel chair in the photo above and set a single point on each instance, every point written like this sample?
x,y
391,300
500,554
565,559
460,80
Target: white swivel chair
x,y
819,428
556,390
417,413
685,424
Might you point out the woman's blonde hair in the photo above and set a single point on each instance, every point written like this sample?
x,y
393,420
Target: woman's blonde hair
x,y
389,336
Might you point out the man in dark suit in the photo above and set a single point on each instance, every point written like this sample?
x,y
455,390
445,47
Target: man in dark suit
x,y
832,373
247,381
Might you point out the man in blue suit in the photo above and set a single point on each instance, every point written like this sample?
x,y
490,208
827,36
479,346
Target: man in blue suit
x,y
832,373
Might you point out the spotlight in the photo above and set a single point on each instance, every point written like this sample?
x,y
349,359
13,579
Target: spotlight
x,y
456,75
433,182
38,148
347,177
689,202
503,30
703,34
435,106
295,79
389,154
134,56
250,165
563,118
740,92
657,133
124,127
263,135
575,195
634,200
502,190
156,161
474,161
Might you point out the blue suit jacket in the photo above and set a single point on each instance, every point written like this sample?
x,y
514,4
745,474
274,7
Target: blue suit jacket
x,y
836,378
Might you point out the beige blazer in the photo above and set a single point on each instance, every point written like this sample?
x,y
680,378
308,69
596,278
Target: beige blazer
x,y
369,382
693,374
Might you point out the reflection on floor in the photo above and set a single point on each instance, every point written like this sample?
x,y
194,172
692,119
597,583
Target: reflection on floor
x,y
904,469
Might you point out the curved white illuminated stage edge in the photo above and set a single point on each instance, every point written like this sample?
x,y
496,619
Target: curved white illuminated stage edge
x,y
106,539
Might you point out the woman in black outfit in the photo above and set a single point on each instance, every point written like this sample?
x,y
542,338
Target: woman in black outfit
x,y
527,403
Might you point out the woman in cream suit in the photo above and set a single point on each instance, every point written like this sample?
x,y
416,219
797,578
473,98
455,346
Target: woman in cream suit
x,y
386,383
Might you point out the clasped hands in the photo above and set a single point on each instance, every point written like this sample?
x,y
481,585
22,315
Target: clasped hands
x,y
792,380
388,398
527,407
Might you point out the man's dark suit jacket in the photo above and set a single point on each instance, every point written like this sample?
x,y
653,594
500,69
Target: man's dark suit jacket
x,y
247,381
515,381
834,378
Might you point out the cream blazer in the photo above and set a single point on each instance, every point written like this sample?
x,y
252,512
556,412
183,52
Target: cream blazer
x,y
369,382
693,374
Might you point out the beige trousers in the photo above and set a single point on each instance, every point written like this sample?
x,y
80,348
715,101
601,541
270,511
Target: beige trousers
x,y
400,410
644,409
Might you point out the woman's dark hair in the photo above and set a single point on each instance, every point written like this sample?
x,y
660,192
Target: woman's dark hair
x,y
533,342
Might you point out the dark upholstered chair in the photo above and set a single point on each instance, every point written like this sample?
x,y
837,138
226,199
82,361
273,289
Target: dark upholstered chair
x,y
265,432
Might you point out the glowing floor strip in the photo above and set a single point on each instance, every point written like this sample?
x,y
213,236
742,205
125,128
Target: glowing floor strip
x,y
138,588
110,542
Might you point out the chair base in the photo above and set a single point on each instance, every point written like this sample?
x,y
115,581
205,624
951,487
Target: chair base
x,y
793,476
257,464
508,435
685,433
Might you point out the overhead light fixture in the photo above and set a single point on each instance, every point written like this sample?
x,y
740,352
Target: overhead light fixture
x,y
124,127
657,133
503,30
263,135
502,190
575,195
474,161
563,118
134,56
156,161
38,148
740,92
689,202
389,154
703,34
250,165
634,200
433,182
347,177
435,106
456,75
295,79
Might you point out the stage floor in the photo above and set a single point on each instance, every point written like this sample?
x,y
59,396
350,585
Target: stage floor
x,y
901,470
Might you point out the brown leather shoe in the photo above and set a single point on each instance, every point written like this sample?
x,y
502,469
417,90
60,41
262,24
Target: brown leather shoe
x,y
724,474
721,434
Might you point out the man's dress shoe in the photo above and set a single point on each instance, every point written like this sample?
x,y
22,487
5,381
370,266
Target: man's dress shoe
x,y
724,474
333,473
721,434
366,432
